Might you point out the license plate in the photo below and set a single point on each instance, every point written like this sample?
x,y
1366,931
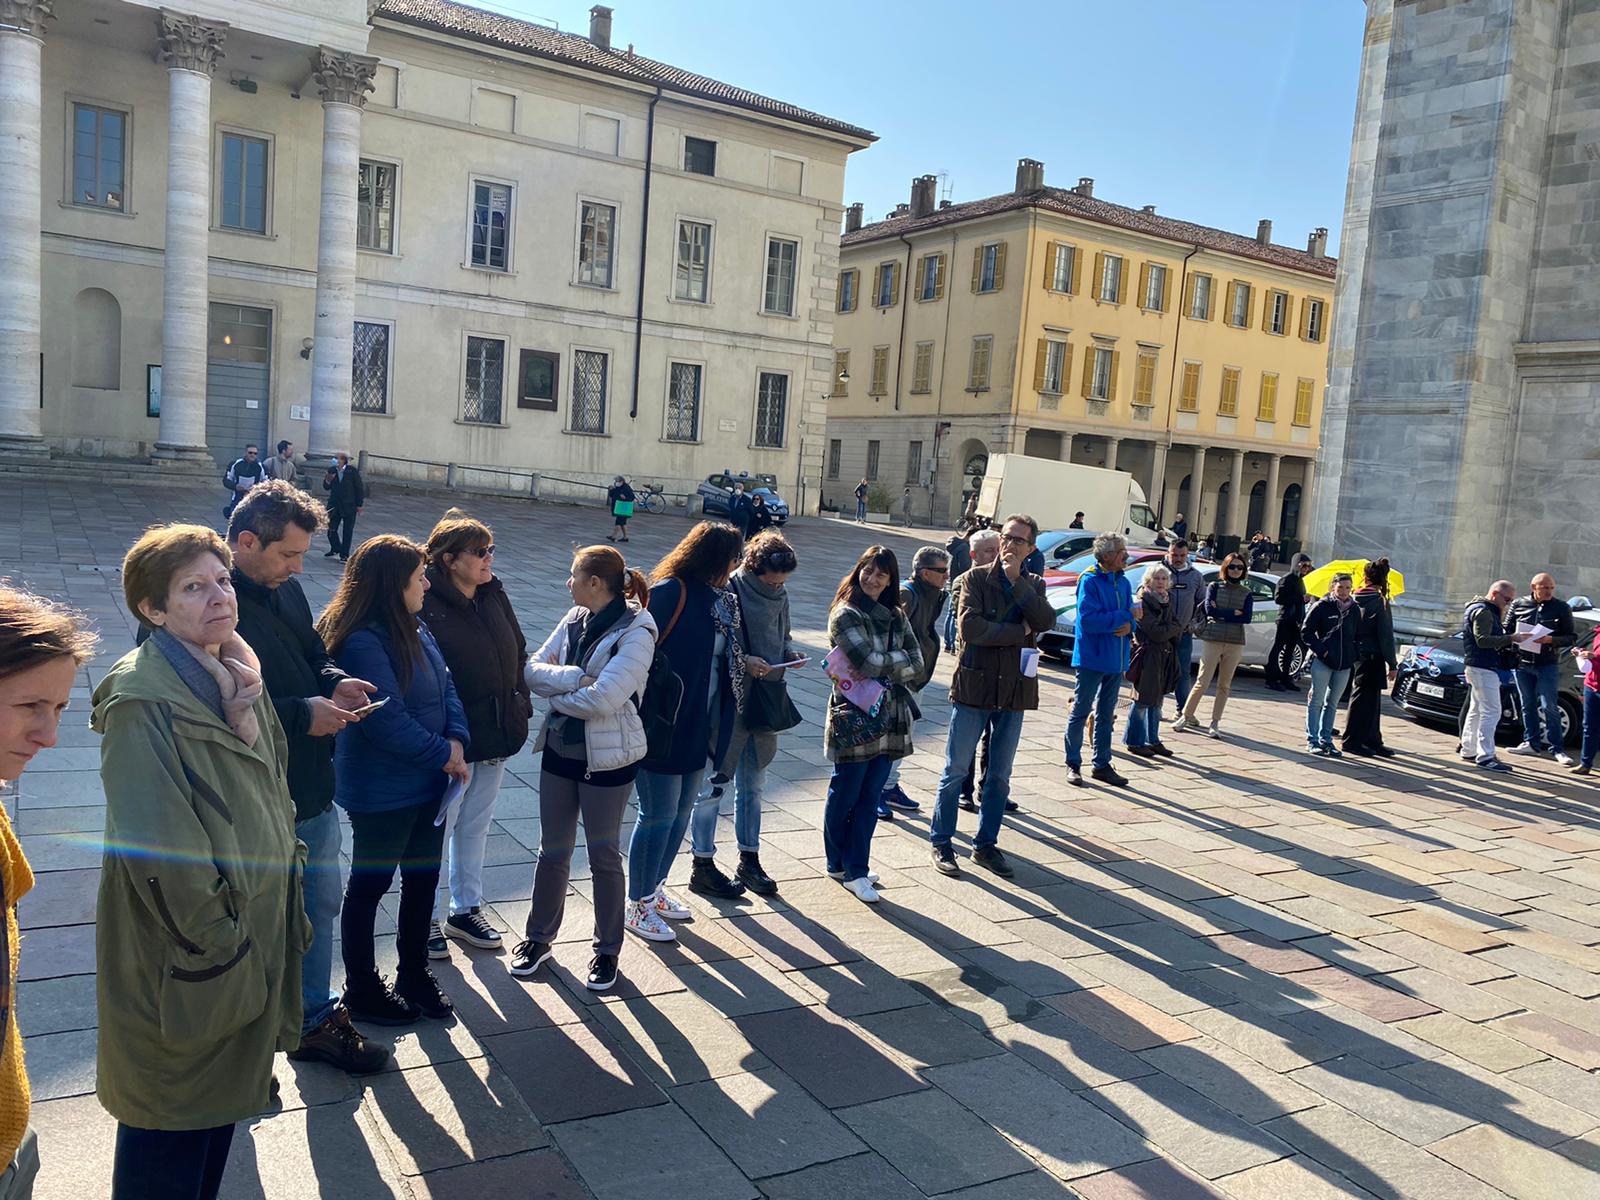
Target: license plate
x,y
1430,689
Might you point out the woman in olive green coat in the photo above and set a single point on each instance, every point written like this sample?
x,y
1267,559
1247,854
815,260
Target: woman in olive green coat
x,y
200,925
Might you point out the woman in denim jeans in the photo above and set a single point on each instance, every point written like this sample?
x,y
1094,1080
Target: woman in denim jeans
x,y
1330,633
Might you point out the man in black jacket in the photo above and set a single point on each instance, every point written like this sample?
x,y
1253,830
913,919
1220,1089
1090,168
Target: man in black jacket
x,y
1538,669
347,495
269,534
1291,601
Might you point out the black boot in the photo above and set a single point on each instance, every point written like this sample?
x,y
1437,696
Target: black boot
x,y
753,877
708,880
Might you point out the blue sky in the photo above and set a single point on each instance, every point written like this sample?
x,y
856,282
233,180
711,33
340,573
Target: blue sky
x,y
1216,111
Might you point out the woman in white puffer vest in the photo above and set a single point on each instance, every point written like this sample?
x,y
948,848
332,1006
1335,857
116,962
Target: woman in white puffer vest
x,y
591,670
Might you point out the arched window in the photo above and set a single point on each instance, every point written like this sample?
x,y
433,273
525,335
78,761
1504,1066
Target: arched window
x,y
1290,521
1224,521
1257,510
96,340
1186,507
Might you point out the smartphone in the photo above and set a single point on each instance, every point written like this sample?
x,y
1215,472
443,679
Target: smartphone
x,y
366,708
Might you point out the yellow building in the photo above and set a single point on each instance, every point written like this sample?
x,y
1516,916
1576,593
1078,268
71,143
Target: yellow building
x,y
1047,322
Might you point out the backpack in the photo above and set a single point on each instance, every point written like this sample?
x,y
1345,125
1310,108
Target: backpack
x,y
662,697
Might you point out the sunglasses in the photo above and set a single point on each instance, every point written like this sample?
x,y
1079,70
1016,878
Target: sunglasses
x,y
483,551
937,570
1235,570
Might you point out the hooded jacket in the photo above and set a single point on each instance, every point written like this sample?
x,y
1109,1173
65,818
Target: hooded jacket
x,y
617,664
484,648
1105,604
200,923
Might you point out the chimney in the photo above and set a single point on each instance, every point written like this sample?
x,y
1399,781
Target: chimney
x,y
1317,244
1030,176
1264,232
1149,210
924,190
600,26
900,210
852,217
944,204
1085,187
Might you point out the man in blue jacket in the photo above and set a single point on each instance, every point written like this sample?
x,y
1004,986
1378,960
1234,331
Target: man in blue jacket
x,y
1102,639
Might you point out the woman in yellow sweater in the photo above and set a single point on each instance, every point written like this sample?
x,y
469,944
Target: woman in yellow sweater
x,y
41,649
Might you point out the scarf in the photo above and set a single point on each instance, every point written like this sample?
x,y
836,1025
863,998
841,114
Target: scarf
x,y
725,612
228,684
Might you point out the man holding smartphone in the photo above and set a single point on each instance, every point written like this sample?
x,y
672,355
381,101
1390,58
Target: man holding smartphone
x,y
269,534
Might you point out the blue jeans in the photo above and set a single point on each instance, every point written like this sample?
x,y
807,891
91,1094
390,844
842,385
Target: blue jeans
x,y
665,802
323,891
1097,688
966,728
466,838
1144,725
1591,725
861,510
851,814
1327,688
749,784
1185,661
949,628
1537,691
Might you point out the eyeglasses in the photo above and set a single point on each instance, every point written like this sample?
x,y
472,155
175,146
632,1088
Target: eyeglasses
x,y
483,551
1016,541
937,570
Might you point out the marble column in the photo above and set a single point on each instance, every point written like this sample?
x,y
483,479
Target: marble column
x,y
1272,511
1238,502
343,81
190,48
21,185
1112,446
1197,490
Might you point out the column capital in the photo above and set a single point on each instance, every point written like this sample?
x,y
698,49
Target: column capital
x,y
342,77
26,16
189,43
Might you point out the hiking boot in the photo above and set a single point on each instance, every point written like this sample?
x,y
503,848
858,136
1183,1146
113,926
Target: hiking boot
x,y
374,1001
944,860
528,957
1108,775
602,973
896,798
437,946
753,877
471,928
340,1044
423,990
707,879
992,858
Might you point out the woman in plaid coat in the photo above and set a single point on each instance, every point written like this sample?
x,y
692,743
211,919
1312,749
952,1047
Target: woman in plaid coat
x,y
878,643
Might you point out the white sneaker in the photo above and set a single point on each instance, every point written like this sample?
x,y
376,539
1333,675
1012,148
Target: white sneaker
x,y
669,906
863,889
642,919
1565,759
1525,750
1215,730
1182,725
872,876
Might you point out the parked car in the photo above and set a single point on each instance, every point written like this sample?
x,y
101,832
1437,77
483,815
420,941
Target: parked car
x,y
716,490
1065,573
1258,635
1062,545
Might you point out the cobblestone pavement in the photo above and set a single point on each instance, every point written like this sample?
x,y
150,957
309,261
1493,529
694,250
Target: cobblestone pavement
x,y
1252,974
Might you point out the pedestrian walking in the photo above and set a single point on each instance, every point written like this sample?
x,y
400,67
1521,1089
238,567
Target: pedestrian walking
x,y
1331,633
392,771
761,518
1590,665
242,475
1538,667
1375,663
42,648
620,499
347,496
877,643
269,534
861,502
922,601
1226,611
1153,667
1187,595
467,611
282,465
1488,652
905,507
592,669
199,924
740,510
1101,647
1290,597
699,619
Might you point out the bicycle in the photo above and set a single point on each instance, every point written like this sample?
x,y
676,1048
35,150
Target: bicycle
x,y
651,498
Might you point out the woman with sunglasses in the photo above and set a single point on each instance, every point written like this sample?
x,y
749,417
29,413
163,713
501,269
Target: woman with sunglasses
x,y
1227,608
467,611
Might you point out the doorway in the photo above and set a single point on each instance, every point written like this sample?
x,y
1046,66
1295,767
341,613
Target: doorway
x,y
1257,510
238,380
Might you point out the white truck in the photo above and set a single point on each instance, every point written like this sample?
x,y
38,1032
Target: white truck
x,y
1051,492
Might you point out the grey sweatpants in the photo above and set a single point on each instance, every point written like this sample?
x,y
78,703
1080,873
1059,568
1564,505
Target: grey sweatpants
x,y
561,801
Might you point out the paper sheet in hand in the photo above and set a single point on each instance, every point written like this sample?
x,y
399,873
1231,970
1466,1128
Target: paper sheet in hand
x,y
865,694
1030,662
1529,634
451,799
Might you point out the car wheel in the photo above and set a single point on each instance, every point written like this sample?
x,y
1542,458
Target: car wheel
x,y
1571,721
1298,658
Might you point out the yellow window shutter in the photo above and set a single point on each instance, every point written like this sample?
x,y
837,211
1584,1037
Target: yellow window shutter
x,y
1066,366
1249,305
1144,282
894,285
1233,292
1267,302
1099,274
977,266
1122,282
1189,288
1041,352
1077,271
1305,317
999,266
1088,372
1166,288
1111,381
1049,265
938,278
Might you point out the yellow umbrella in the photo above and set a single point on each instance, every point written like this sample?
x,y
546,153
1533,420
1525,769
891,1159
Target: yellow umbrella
x,y
1320,580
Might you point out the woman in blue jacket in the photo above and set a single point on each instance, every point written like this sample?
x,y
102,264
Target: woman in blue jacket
x,y
392,771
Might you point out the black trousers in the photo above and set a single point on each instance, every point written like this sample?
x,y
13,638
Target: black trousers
x,y
341,525
1361,721
404,838
168,1164
1284,645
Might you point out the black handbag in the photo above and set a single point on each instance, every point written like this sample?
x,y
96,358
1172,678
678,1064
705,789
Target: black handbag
x,y
767,707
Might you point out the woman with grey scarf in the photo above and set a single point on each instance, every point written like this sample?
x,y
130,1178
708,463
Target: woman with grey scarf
x,y
764,640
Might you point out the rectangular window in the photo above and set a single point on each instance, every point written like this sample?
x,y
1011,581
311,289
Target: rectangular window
x,y
1144,377
375,206
486,372
692,276
491,226
1061,268
772,409
683,402
1055,367
1189,390
1239,313
589,371
879,384
699,156
922,368
782,258
1315,310
1100,384
1111,279
99,157
1228,399
369,368
244,183
1200,298
978,364
989,268
835,452
886,285
1267,402
871,473
1155,288
536,381
1277,314
914,463
596,229
930,277
849,281
841,372
1303,390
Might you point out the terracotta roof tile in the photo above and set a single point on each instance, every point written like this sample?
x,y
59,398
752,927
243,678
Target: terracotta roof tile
x,y
543,42
1071,204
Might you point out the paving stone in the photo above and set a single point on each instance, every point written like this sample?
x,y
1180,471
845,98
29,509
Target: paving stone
x,y
1522,1111
1279,995
60,1064
1314,910
739,987
1174,992
488,1000
1230,1079
678,1038
1532,965
790,941
568,1072
977,997
1188,1127
1476,1043
65,951
1395,1103
1274,1044
1446,931
827,1057
1582,1150
1035,1185
1070,1053
1563,1081
56,1005
1299,1177
642,973
1517,1168
1379,1003
1566,1042
1464,968
323,1151
1156,1179
668,1157
861,1177
1267,954
1542,998
929,1036
444,1116
1028,968
766,1122
934,1142
1358,1034
539,1175
60,898
853,989
1121,1018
